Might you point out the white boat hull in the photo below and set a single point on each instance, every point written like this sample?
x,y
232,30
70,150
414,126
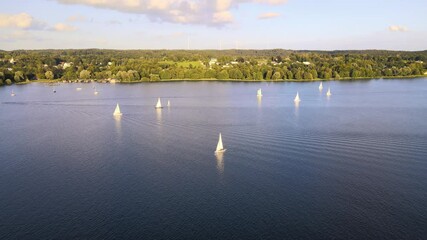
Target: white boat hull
x,y
220,151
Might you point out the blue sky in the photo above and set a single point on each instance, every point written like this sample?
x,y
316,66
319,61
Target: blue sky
x,y
204,24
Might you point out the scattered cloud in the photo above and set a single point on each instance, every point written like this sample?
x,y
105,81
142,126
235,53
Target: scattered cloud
x,y
268,15
76,18
20,21
204,12
397,28
62,27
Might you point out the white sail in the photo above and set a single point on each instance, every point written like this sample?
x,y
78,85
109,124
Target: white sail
x,y
219,146
169,103
259,93
96,92
159,103
12,94
117,111
329,92
297,99
321,86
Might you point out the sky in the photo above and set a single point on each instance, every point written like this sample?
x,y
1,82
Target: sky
x,y
214,24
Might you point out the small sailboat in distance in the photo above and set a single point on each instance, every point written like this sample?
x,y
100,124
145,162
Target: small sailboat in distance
x,y
12,94
259,93
169,103
297,99
219,146
158,104
329,92
117,111
95,92
321,86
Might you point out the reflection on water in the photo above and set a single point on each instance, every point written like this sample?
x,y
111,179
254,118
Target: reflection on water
x,y
220,162
159,115
118,125
296,108
259,101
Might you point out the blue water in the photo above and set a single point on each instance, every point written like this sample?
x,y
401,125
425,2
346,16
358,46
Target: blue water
x,y
352,166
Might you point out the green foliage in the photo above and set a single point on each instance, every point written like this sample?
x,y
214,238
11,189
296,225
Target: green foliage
x,y
276,76
19,76
8,82
223,75
156,65
49,75
85,74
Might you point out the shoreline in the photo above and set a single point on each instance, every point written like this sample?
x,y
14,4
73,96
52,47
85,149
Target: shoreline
x,y
55,81
233,80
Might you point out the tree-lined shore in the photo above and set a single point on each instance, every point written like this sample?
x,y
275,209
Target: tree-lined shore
x,y
128,66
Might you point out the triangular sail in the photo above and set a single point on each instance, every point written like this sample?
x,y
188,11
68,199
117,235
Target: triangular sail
x,y
169,103
329,92
117,111
297,99
321,86
219,146
159,103
259,93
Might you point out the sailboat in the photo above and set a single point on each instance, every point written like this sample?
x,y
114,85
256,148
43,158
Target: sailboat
x,y
117,111
169,103
321,86
297,99
12,94
219,146
259,93
96,92
159,104
329,92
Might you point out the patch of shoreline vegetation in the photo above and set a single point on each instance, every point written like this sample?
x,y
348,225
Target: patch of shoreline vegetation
x,y
134,66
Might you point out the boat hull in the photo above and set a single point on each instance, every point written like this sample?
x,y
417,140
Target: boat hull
x,y
220,151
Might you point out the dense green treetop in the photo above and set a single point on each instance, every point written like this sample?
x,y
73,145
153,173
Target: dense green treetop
x,y
156,65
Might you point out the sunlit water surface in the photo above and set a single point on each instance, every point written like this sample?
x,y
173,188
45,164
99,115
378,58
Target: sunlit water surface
x,y
352,166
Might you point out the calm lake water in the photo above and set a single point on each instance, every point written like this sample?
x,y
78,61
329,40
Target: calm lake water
x,y
352,166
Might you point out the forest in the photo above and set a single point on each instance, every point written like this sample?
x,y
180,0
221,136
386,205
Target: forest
x,y
128,66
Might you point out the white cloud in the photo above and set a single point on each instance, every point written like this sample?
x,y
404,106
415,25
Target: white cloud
x,y
268,15
397,28
21,20
214,12
62,27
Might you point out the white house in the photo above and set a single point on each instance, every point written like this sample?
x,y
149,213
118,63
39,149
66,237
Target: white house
x,y
213,61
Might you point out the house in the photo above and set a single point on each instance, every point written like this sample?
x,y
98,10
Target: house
x,y
67,65
306,63
213,61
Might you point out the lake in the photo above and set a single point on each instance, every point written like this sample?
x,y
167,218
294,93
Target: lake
x,y
351,166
